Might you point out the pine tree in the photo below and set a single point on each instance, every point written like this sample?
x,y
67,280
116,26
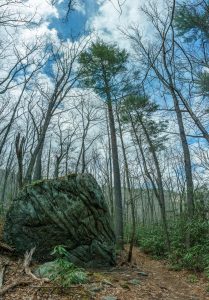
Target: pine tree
x,y
103,68
192,20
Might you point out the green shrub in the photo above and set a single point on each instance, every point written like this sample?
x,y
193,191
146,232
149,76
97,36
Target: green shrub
x,y
151,239
65,273
127,232
196,256
62,271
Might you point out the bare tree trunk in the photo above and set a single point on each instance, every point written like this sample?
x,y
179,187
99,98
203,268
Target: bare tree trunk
x,y
83,159
38,166
187,159
57,166
6,176
49,160
159,192
130,195
150,201
110,170
19,152
66,162
29,172
117,180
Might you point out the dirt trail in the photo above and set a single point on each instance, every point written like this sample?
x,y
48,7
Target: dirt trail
x,y
127,282
163,283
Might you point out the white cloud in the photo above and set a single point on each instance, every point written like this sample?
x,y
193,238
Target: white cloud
x,y
38,12
18,39
40,9
109,20
41,32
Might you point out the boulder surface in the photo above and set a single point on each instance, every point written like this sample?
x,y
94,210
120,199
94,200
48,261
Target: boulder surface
x,y
69,211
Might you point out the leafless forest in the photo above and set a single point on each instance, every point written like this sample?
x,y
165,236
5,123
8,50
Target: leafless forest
x,y
132,112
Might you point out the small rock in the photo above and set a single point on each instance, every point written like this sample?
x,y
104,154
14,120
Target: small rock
x,y
142,273
106,282
96,289
125,286
109,298
134,281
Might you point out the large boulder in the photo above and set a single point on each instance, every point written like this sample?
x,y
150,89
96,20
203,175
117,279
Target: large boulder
x,y
69,211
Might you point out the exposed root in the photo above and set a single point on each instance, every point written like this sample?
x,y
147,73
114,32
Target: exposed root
x,y
3,265
11,286
26,264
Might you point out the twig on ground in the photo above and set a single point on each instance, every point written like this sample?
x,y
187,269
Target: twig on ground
x,y
2,271
26,265
3,264
8,287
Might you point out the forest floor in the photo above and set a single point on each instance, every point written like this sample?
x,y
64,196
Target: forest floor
x,y
145,278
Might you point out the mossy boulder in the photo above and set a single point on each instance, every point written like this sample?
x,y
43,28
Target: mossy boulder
x,y
69,211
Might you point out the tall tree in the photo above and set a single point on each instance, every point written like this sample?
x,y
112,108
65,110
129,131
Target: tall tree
x,y
104,67
160,60
138,110
129,188
63,80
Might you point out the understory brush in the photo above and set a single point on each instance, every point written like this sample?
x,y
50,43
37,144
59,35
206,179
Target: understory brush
x,y
192,254
151,239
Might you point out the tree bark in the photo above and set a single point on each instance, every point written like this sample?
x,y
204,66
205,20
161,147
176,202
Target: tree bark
x,y
116,176
187,159
38,166
130,195
158,190
19,152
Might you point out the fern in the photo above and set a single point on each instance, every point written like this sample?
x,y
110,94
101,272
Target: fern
x,y
63,272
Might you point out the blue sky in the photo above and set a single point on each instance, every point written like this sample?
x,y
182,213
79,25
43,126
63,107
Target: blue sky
x,y
75,24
